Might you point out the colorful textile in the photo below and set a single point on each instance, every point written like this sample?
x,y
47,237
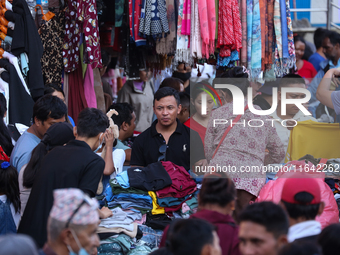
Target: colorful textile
x,y
256,42
291,46
195,36
264,39
167,45
229,27
119,11
269,48
153,19
206,10
183,51
90,95
244,32
156,209
284,32
225,62
278,36
249,30
80,16
134,15
186,21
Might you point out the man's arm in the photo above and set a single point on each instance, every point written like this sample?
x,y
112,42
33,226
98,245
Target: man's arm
x,y
323,93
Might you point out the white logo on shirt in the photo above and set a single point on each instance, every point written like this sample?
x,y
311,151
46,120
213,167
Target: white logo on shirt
x,y
184,148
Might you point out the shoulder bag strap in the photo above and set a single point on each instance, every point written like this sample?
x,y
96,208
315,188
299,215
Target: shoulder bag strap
x,y
228,129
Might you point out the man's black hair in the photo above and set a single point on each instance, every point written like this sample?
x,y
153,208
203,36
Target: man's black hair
x,y
91,122
51,88
300,248
124,110
333,36
290,79
49,106
319,35
189,236
303,209
329,239
184,99
164,92
269,215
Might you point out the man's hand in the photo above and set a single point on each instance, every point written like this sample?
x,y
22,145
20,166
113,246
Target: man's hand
x,y
109,138
105,212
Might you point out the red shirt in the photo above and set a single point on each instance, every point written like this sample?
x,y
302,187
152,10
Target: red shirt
x,y
307,71
194,125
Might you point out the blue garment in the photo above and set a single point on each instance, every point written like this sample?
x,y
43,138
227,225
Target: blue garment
x,y
71,120
313,86
126,200
315,60
121,145
24,64
123,179
22,150
7,224
150,236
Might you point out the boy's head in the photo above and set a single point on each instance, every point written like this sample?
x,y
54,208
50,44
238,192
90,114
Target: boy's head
x,y
301,198
47,111
184,115
263,229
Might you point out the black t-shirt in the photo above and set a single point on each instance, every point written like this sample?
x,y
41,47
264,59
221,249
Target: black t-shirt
x,y
145,149
260,101
74,165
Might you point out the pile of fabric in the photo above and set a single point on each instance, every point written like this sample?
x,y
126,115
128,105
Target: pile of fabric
x,y
144,201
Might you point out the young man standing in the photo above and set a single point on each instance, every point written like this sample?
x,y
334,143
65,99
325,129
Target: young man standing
x,y
71,166
301,197
263,229
168,139
46,111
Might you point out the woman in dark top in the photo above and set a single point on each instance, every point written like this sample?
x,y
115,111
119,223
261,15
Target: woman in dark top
x,y
5,137
216,203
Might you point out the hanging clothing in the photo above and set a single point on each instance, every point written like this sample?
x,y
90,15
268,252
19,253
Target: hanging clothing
x,y
167,45
195,36
183,50
134,15
244,32
119,11
89,93
52,36
153,19
98,89
81,15
20,102
186,22
26,39
256,47
76,98
206,10
229,27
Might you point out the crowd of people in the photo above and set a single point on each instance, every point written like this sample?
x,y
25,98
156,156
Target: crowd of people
x,y
60,182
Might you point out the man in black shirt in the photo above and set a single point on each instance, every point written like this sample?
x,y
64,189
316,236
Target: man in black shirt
x,y
168,139
74,165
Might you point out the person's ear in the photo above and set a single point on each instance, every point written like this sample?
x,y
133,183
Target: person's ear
x,y
282,240
321,208
75,131
207,250
66,236
37,122
232,205
179,109
124,126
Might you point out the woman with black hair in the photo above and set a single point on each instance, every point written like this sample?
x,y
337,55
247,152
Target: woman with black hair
x,y
239,149
305,69
199,120
6,145
57,135
9,199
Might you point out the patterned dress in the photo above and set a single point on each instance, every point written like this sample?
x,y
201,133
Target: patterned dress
x,y
243,149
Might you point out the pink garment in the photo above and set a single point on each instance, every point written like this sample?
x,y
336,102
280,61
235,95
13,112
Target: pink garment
x,y
186,21
138,85
142,221
244,146
89,92
207,15
185,208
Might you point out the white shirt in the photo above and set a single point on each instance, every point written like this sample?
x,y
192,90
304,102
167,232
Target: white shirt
x,y
282,131
304,229
16,215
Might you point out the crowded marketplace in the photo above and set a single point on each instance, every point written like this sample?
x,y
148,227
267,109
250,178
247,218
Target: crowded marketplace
x,y
169,127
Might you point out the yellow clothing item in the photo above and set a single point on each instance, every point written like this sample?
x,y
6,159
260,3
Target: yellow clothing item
x,y
156,209
321,140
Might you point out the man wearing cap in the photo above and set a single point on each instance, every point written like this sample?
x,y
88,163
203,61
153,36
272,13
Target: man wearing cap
x,y
72,224
301,198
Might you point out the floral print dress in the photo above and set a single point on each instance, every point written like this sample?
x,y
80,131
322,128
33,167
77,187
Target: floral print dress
x,y
243,149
